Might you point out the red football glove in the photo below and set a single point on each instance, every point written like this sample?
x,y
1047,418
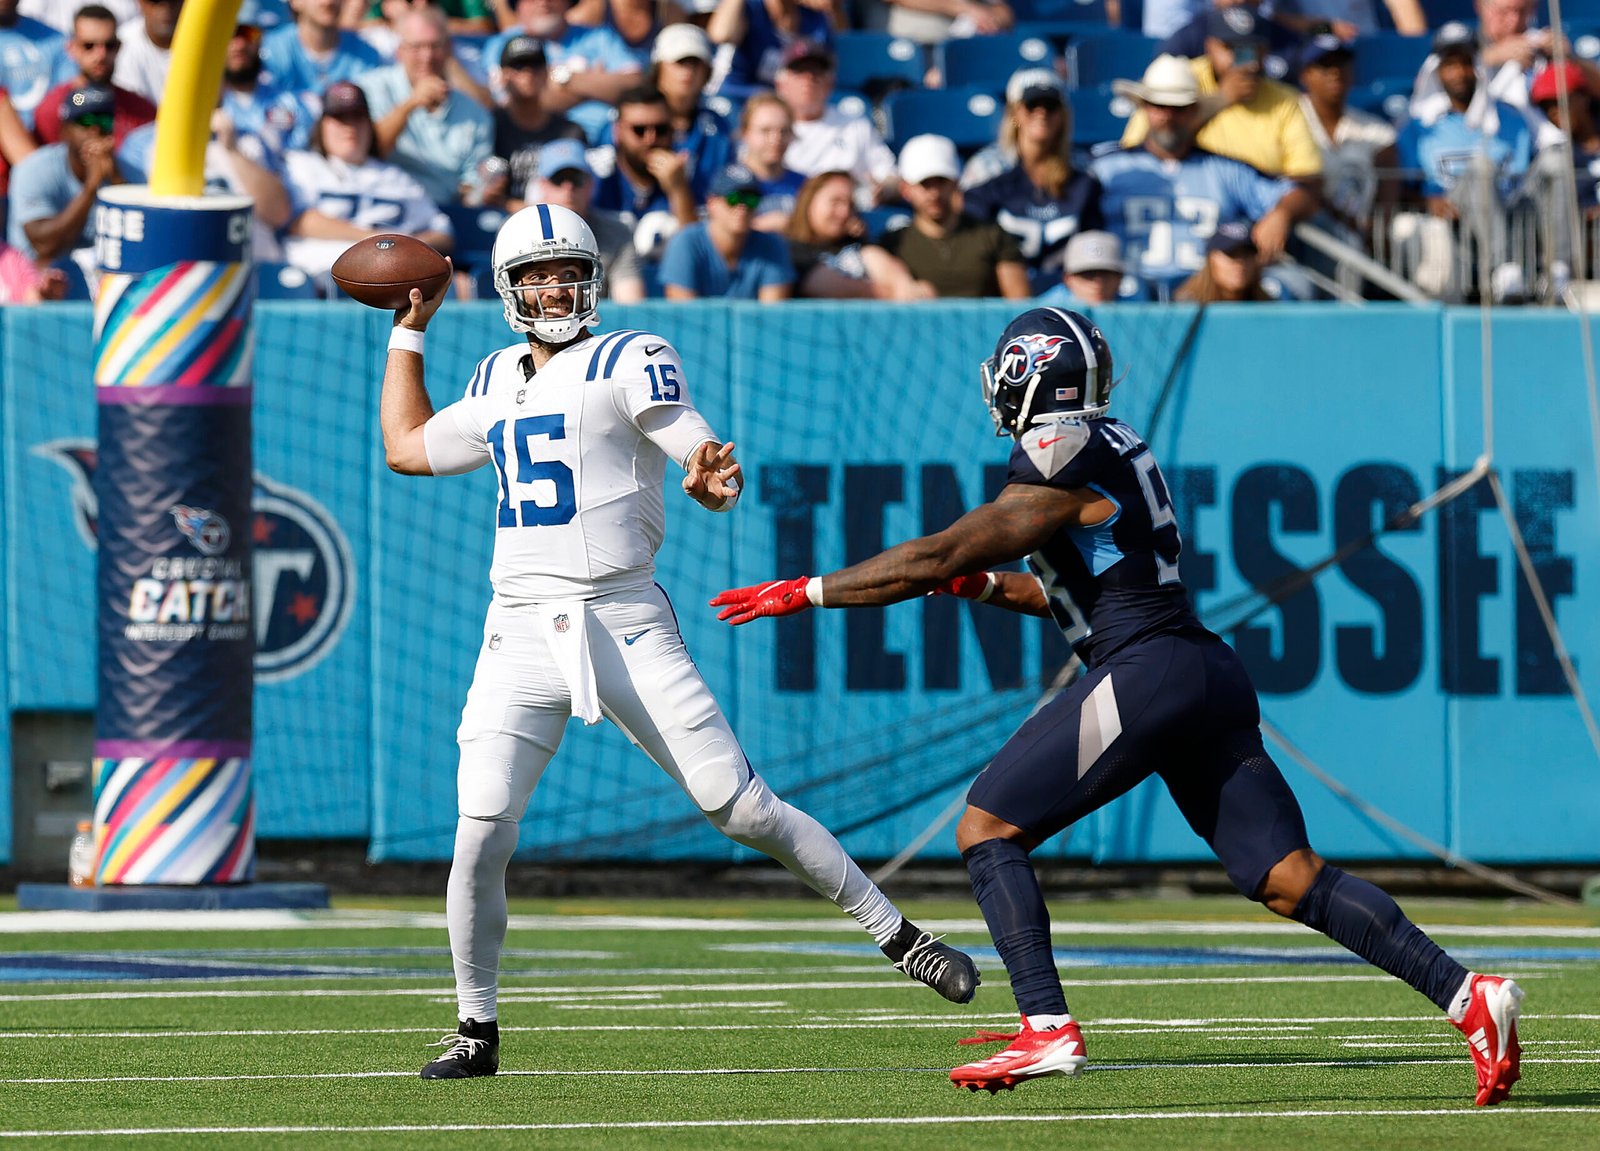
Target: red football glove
x,y
781,597
979,586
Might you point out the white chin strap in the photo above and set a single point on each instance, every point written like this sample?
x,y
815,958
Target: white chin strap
x,y
557,331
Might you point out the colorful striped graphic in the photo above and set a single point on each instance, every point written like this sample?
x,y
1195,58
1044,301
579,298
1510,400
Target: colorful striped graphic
x,y
185,325
174,820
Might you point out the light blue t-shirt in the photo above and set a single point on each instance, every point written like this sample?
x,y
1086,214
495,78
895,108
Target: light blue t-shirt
x,y
1443,149
32,56
279,118
42,184
293,68
1164,211
442,148
599,47
691,261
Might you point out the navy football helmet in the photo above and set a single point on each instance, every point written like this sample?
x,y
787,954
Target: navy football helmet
x,y
1049,364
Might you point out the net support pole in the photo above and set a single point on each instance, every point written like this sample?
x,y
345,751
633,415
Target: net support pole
x,y
173,797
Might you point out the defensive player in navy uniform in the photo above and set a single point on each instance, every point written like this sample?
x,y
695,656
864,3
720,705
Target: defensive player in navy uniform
x,y
580,429
1086,504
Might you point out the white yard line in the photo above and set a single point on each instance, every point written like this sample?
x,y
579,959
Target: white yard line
x,y
1503,1114
80,922
1274,1066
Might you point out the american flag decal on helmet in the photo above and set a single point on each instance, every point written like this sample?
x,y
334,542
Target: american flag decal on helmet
x,y
1066,393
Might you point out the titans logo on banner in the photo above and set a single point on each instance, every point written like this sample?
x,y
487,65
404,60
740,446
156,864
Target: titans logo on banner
x,y
303,574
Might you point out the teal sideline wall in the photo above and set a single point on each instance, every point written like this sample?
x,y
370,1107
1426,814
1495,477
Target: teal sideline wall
x,y
1417,672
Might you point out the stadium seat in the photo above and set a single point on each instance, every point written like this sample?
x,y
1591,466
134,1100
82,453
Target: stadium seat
x,y
284,282
987,62
1389,56
1077,11
874,62
1109,56
1098,115
475,230
969,117
1389,98
881,220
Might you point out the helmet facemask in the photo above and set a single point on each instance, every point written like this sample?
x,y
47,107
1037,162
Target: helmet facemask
x,y
527,305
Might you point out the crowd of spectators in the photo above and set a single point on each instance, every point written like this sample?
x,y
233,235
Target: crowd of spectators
x,y
717,150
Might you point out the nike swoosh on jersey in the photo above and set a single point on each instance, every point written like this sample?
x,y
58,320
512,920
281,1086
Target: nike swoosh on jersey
x,y
631,639
1051,440
652,349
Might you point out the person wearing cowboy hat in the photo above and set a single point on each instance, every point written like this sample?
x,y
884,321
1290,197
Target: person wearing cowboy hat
x,y
1164,198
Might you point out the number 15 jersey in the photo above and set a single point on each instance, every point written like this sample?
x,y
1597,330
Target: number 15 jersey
x,y
579,508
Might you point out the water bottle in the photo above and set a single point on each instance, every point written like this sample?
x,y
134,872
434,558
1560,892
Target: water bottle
x,y
80,856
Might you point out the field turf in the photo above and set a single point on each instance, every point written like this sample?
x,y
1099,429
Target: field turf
x,y
772,1024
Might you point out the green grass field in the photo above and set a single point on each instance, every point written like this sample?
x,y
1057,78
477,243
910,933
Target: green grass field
x,y
771,1023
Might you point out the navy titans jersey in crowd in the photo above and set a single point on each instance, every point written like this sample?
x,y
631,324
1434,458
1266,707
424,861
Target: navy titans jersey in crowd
x,y
1042,223
1116,583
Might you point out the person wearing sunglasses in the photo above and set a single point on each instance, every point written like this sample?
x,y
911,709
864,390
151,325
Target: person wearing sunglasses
x,y
646,173
565,179
94,47
1039,198
53,190
524,122
255,102
725,257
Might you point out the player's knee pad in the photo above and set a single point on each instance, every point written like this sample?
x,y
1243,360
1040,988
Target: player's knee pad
x,y
716,773
486,787
753,814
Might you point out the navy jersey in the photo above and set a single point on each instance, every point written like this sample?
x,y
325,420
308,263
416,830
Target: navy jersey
x,y
1115,583
1042,223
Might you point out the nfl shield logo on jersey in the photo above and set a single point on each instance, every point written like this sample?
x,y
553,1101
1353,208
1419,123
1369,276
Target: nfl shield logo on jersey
x,y
562,623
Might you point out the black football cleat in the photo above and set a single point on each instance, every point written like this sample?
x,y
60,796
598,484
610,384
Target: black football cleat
x,y
473,1050
923,956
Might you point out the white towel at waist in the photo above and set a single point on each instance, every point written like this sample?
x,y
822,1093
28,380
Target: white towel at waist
x,y
566,629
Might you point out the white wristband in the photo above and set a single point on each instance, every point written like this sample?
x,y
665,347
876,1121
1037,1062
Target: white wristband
x,y
814,591
990,583
404,339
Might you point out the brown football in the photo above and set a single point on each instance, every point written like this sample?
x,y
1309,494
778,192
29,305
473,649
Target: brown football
x,y
380,271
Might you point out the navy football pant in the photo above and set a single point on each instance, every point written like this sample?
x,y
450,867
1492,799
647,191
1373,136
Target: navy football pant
x,y
1178,707
1183,709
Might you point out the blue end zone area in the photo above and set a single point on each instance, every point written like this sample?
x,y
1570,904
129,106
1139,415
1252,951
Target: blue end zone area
x,y
248,896
332,963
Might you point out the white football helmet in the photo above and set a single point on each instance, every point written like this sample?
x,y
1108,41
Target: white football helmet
x,y
546,232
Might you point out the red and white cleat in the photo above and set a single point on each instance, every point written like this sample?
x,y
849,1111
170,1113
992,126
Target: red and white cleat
x,y
1490,1026
1029,1054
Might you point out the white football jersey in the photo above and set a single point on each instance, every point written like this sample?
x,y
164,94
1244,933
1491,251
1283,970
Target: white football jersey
x,y
374,194
580,510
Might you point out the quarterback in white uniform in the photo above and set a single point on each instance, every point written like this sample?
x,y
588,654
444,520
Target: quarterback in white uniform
x,y
579,429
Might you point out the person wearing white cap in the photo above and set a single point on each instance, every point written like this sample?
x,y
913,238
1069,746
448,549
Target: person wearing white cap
x,y
957,255
1165,198
1092,272
680,66
1040,199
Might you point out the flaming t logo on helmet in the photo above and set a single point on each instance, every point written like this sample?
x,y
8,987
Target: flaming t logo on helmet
x,y
1026,355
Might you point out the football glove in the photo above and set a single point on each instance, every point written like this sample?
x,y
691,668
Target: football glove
x,y
781,597
979,586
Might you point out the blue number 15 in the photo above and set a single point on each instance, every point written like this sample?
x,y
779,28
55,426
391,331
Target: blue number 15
x,y
663,381
529,513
